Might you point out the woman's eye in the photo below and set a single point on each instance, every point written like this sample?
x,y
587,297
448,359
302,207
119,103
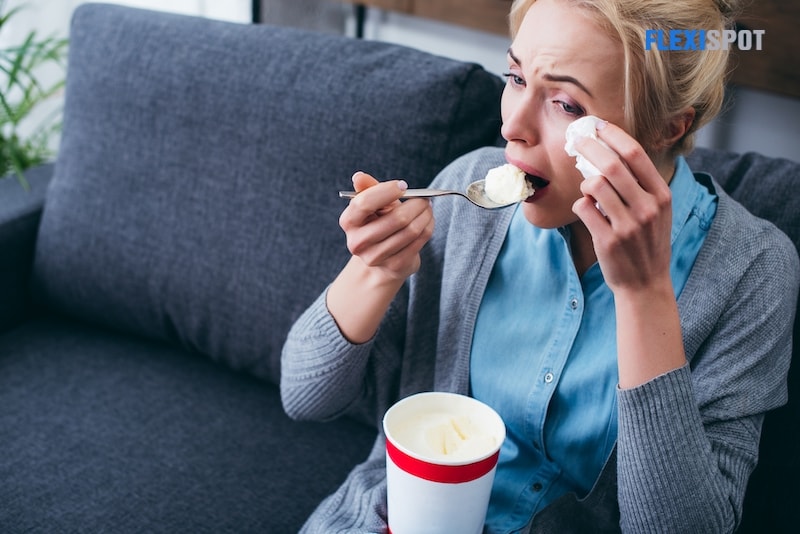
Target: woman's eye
x,y
568,108
514,79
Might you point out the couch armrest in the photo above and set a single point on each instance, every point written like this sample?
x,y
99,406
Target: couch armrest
x,y
20,211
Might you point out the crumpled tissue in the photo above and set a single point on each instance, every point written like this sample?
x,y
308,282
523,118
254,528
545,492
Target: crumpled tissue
x,y
578,129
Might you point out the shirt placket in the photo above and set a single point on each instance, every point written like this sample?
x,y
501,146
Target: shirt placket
x,y
550,369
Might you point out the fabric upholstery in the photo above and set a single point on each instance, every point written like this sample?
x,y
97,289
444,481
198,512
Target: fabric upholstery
x,y
20,212
104,432
189,143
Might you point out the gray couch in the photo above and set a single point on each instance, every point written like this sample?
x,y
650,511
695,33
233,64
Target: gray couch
x,y
148,278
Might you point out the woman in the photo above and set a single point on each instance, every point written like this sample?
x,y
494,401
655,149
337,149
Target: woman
x,y
632,352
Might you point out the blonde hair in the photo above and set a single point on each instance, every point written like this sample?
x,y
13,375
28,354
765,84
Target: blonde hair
x,y
658,84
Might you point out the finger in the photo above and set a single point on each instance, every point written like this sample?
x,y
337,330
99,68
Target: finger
x,y
414,237
587,212
379,227
612,167
633,156
633,176
362,180
374,199
395,222
600,190
407,260
393,233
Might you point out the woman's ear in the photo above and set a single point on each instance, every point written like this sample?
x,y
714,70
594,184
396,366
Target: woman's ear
x,y
678,126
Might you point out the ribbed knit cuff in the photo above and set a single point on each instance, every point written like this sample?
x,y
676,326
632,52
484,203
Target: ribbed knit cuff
x,y
320,368
661,410
669,478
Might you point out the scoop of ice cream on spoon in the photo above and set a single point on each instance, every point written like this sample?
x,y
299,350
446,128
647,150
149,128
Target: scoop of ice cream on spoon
x,y
507,184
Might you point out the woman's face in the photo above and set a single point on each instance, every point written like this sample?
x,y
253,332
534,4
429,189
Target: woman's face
x,y
562,66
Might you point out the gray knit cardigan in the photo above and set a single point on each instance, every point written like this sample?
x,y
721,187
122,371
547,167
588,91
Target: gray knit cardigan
x,y
687,441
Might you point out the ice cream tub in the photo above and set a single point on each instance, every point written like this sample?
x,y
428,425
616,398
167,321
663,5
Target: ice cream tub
x,y
441,455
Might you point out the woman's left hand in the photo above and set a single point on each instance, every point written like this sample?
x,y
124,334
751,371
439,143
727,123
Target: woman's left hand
x,y
632,239
632,244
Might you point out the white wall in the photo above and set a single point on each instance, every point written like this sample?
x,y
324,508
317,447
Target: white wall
x,y
52,17
755,121
758,121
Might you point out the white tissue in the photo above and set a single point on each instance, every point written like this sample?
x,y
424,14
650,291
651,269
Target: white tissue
x,y
583,127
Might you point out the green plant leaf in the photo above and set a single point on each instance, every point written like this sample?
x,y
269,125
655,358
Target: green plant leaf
x,y
21,93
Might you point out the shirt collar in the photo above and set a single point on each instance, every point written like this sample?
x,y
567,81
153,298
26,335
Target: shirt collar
x,y
684,196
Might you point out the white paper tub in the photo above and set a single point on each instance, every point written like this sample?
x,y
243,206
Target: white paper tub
x,y
432,494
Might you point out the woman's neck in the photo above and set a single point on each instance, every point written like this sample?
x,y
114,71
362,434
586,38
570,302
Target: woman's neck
x,y
583,255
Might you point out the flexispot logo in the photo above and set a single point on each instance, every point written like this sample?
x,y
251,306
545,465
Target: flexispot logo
x,y
702,39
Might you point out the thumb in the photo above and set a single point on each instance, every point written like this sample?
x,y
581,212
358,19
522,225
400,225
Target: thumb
x,y
362,180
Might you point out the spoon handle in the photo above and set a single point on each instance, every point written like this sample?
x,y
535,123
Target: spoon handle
x,y
410,193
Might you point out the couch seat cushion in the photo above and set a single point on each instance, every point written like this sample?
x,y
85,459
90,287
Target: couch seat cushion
x,y
117,434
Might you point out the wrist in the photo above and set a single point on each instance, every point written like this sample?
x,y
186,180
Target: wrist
x,y
643,298
359,297
649,339
375,278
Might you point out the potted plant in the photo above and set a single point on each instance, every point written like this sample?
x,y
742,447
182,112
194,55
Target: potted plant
x,y
21,94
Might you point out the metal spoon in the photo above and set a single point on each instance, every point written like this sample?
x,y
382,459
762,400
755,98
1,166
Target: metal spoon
x,y
476,193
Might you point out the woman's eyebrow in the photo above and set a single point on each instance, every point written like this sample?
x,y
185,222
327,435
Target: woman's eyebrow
x,y
551,77
569,79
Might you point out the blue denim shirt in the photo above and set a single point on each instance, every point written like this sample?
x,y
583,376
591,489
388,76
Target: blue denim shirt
x,y
544,356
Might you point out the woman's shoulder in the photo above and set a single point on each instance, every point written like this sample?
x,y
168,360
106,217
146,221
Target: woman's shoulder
x,y
746,275
739,222
742,238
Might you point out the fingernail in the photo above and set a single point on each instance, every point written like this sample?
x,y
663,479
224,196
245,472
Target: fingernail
x,y
353,178
402,184
599,125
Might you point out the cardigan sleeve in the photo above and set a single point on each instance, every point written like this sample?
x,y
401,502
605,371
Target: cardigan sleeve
x,y
324,376
688,440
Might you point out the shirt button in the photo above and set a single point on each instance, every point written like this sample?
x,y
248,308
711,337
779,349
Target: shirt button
x,y
537,486
548,377
573,303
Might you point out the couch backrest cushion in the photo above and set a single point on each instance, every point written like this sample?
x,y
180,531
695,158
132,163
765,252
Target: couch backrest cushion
x,y
195,192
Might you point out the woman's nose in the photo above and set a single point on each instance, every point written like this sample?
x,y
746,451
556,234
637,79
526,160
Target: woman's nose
x,y
519,120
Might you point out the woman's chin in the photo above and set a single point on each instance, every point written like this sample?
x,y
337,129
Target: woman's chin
x,y
536,214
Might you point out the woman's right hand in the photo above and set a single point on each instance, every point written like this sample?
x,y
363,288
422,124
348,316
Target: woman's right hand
x,y
383,232
385,237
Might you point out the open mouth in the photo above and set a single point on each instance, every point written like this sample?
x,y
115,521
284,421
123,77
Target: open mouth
x,y
537,182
